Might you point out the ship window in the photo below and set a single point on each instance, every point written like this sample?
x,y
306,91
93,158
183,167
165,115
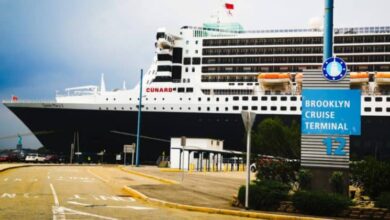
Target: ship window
x,y
254,98
293,108
208,108
264,108
264,98
217,99
187,60
190,90
388,99
196,51
186,69
274,98
235,108
235,98
283,98
196,61
226,108
107,108
226,99
193,69
367,99
199,108
196,42
254,108
217,108
180,89
187,42
181,99
106,99
273,108
388,109
283,108
199,99
378,99
114,99
367,109
378,109
244,107
100,108
293,98
189,99
245,98
171,108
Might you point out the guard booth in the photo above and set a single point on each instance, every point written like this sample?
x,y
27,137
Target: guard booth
x,y
203,154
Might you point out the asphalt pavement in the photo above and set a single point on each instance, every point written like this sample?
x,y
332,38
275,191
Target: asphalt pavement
x,y
80,192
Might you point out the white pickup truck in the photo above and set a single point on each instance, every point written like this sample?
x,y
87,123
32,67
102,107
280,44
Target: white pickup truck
x,y
34,158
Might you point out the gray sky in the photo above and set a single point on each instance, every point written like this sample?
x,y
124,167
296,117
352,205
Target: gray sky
x,y
49,45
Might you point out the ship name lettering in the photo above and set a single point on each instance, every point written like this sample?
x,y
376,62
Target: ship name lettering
x,y
159,89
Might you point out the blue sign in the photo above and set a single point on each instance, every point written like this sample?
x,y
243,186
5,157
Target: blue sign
x,y
334,69
331,111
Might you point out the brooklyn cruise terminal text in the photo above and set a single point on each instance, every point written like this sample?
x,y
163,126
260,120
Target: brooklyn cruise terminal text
x,y
326,114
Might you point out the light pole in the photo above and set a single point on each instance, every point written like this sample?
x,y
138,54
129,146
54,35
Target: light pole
x,y
139,120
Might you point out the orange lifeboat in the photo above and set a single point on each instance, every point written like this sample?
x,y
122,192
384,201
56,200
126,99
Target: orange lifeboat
x,y
359,77
382,78
299,78
273,78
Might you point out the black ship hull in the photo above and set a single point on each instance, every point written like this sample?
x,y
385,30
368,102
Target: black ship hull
x,y
100,130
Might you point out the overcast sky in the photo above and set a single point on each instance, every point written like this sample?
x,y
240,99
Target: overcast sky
x,y
48,45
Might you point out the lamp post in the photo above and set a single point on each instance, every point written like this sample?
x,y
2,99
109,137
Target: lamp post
x,y
139,120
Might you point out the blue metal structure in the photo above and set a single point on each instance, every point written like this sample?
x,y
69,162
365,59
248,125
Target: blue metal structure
x,y
328,29
139,120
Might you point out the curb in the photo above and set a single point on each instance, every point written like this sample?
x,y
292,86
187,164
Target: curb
x,y
15,167
136,194
166,181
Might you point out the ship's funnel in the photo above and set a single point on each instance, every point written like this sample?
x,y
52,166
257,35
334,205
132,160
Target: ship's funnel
x,y
328,29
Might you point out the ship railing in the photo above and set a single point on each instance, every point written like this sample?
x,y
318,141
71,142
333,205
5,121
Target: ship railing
x,y
30,101
79,91
351,30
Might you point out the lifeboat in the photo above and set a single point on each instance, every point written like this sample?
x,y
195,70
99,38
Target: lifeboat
x,y
382,78
273,78
359,77
164,43
299,78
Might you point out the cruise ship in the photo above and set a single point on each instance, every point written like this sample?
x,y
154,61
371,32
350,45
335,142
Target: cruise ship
x,y
200,81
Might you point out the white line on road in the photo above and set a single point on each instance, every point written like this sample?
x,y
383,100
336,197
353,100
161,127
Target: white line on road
x,y
71,211
78,203
58,212
99,177
56,202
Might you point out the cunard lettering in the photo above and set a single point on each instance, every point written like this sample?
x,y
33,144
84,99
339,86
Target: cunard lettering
x,y
159,89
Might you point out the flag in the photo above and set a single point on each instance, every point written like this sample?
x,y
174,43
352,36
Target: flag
x,y
229,6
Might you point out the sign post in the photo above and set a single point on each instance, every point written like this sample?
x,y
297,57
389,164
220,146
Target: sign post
x,y
128,148
248,118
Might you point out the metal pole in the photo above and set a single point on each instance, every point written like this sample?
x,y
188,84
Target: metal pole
x,y
139,119
124,158
248,174
328,29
